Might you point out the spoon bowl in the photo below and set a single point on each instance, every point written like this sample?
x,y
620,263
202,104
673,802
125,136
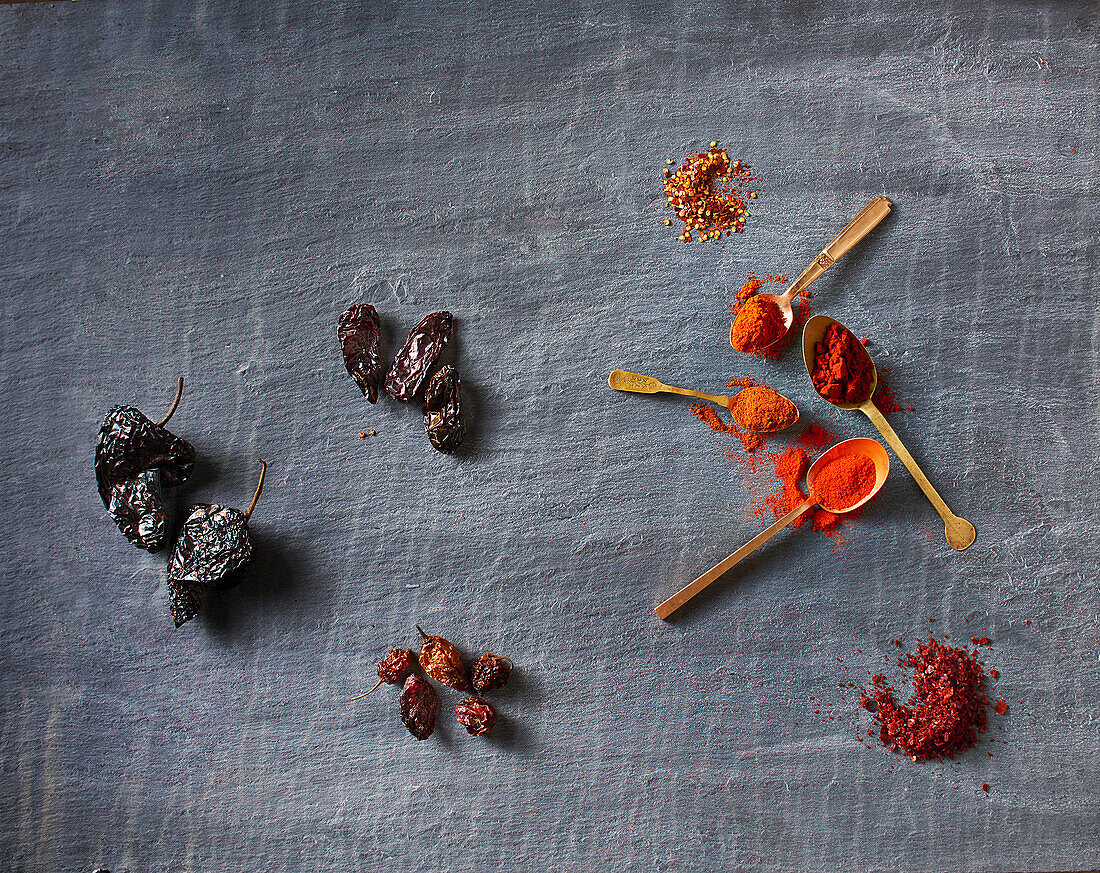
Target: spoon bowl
x,y
859,446
959,532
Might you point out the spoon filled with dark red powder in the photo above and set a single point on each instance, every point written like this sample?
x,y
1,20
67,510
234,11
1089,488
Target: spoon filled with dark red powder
x,y
844,374
841,480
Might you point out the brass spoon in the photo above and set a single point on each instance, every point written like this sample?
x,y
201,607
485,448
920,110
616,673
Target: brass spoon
x,y
623,380
858,446
960,532
856,229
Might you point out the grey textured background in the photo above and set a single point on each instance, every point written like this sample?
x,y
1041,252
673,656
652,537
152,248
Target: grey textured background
x,y
200,188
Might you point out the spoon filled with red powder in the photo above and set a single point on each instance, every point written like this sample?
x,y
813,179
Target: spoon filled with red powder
x,y
844,374
765,318
841,480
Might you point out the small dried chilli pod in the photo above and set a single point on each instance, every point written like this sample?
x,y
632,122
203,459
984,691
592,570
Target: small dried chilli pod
x,y
213,546
442,661
489,672
392,668
360,334
419,706
421,350
134,459
443,419
476,715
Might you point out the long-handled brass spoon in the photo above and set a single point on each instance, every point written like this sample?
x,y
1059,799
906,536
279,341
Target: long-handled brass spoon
x,y
623,380
960,532
855,230
858,446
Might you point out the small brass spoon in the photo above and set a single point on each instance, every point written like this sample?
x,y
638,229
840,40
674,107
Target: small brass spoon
x,y
856,229
960,532
623,380
858,446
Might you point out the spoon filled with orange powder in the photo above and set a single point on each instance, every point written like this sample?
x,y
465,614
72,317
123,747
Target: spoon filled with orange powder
x,y
841,480
764,319
757,408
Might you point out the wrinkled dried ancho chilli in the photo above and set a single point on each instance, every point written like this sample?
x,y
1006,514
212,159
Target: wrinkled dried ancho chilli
x,y
360,334
422,349
476,715
443,410
134,459
392,668
489,672
213,546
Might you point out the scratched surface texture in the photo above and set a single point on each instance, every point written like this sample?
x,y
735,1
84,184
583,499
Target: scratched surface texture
x,y
201,188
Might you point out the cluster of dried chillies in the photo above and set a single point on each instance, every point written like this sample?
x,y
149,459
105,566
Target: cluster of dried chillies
x,y
360,332
134,458
441,660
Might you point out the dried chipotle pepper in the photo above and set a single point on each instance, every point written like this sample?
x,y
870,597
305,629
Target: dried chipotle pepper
x,y
360,334
421,350
442,661
476,715
489,672
213,546
134,458
419,706
443,410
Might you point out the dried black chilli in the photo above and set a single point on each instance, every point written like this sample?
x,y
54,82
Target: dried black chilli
x,y
135,457
213,546
421,350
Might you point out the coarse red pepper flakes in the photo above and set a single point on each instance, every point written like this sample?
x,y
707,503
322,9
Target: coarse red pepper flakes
x,y
950,704
709,194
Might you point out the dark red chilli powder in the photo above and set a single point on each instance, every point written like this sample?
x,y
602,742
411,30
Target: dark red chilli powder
x,y
946,712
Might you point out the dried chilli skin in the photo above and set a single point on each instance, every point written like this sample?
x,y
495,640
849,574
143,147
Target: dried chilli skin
x,y
476,715
129,444
134,458
136,506
421,350
489,672
443,417
442,661
360,338
213,546
419,706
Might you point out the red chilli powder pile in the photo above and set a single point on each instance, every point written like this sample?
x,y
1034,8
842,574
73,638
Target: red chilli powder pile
x,y
946,712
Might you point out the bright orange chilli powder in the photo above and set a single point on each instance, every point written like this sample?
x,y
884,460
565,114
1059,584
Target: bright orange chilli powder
x,y
759,323
844,481
761,409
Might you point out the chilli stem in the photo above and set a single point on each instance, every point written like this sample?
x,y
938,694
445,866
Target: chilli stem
x,y
361,696
175,403
259,490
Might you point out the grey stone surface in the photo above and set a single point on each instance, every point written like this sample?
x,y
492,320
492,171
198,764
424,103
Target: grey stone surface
x,y
200,188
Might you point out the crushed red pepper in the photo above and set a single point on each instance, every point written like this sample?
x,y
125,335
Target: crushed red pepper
x,y
947,710
709,194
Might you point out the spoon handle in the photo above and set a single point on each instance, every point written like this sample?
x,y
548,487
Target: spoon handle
x,y
689,591
960,533
855,230
622,380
